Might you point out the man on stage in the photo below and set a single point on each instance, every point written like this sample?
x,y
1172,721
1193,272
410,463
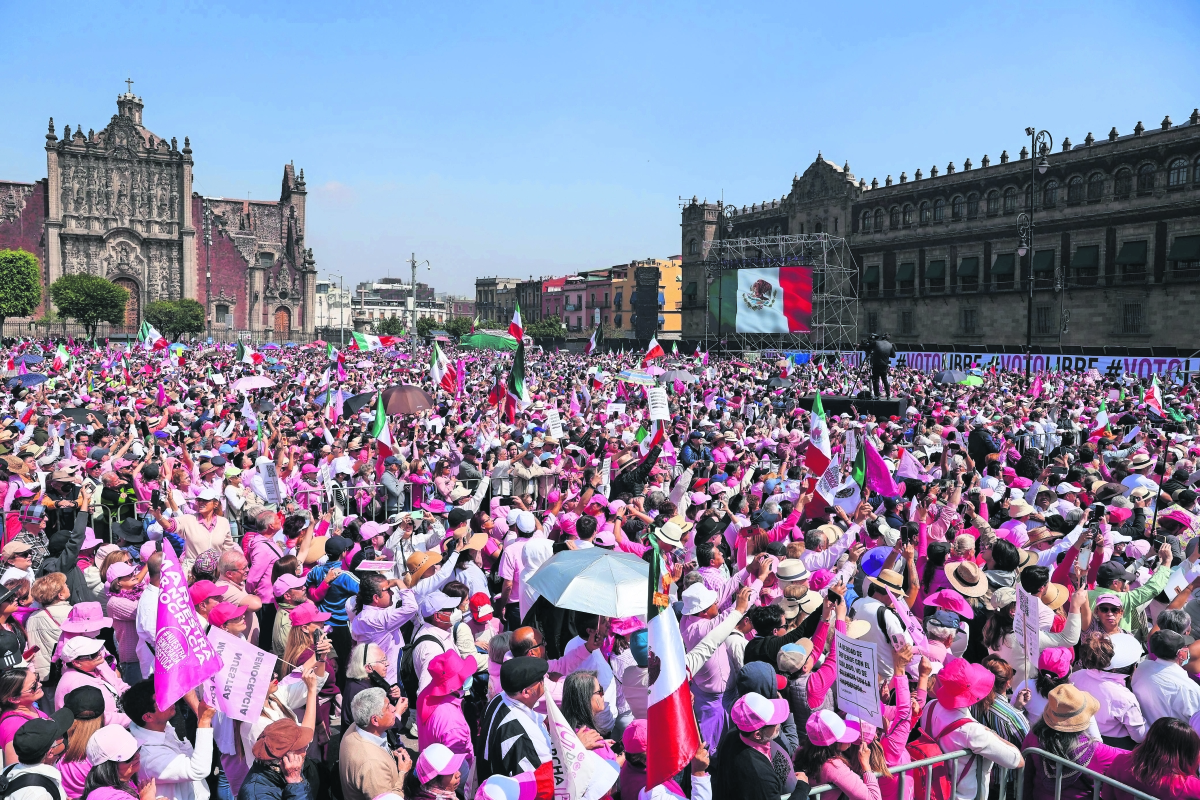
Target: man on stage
x,y
880,351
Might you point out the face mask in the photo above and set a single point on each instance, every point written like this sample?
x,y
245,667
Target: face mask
x,y
1186,659
456,616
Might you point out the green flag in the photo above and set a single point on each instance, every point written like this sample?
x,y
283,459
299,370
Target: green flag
x,y
860,466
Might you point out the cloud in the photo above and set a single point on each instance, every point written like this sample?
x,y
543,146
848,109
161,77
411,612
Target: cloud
x,y
336,193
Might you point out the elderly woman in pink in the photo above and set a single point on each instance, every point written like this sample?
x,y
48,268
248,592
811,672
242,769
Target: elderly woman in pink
x,y
84,664
439,705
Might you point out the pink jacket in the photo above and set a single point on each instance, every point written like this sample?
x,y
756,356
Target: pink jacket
x,y
895,741
448,726
838,773
262,555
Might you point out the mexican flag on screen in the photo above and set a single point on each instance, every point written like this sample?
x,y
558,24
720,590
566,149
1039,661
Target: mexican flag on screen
x,y
773,300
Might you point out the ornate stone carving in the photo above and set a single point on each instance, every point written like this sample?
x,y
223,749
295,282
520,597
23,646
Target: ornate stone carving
x,y
12,202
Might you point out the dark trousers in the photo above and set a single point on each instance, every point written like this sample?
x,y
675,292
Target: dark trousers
x,y
512,616
339,637
880,376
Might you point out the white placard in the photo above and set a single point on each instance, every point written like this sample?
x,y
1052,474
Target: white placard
x,y
660,407
376,566
1027,625
554,423
605,476
270,480
615,408
857,680
240,688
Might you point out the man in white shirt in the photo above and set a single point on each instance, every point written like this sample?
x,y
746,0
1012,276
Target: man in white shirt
x,y
868,609
179,770
1162,687
146,621
1139,468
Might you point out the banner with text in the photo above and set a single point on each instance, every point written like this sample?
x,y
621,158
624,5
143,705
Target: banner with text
x,y
857,680
1111,367
240,687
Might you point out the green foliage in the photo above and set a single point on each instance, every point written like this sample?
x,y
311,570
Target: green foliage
x,y
458,327
425,325
89,300
20,284
173,318
547,328
392,326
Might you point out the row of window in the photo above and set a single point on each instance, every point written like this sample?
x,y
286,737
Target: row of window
x,y
1046,321
1084,268
1077,192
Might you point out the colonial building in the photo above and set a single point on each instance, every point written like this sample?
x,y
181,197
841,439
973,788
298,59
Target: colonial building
x,y
1115,255
119,204
495,298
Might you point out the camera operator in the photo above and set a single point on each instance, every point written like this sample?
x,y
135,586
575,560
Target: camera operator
x,y
880,352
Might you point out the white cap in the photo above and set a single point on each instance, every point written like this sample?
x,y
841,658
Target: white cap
x,y
111,743
79,646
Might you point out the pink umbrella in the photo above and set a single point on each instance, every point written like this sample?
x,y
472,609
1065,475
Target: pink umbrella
x,y
654,370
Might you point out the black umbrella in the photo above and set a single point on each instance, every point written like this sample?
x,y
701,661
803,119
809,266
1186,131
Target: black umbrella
x,y
80,415
779,383
406,399
358,402
950,376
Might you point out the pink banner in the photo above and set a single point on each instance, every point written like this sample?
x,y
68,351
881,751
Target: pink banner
x,y
183,656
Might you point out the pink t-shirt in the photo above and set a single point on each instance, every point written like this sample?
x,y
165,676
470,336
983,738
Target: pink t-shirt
x,y
74,773
10,721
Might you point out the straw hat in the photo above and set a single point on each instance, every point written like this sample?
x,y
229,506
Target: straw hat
x,y
1019,508
1056,594
418,565
1069,709
967,577
889,579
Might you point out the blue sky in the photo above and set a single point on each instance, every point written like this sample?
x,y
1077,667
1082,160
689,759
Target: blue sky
x,y
540,139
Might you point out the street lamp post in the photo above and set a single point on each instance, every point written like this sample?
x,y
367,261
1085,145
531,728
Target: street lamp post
x,y
412,295
725,215
1042,142
341,307
208,265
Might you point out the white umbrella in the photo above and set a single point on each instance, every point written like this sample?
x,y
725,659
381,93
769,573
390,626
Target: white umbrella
x,y
252,382
595,580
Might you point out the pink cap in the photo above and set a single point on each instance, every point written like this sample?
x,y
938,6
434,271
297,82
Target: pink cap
x,y
285,582
951,600
121,569
1107,599
148,549
223,612
437,759
623,626
636,737
820,579
204,590
1057,660
308,469
825,728
86,618
305,613
753,711
111,743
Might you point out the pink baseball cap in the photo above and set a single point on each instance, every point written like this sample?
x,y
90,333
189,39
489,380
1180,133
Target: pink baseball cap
x,y
1056,660
119,570
1107,599
636,737
753,711
307,612
825,728
204,590
437,759
223,612
285,582
111,743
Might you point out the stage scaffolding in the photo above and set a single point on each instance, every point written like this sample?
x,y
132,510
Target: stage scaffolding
x,y
835,293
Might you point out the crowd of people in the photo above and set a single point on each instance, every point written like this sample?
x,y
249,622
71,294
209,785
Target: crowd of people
x,y
1024,566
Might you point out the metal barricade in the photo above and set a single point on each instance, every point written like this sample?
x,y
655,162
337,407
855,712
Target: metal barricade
x,y
926,763
1097,778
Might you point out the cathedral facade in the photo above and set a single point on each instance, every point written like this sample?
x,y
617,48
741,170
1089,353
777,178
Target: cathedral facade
x,y
119,204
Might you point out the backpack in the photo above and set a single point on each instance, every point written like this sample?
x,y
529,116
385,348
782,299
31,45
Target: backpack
x,y
10,785
409,680
937,776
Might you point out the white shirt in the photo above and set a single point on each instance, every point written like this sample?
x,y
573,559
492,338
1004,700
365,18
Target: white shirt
x,y
867,608
146,623
1164,689
974,737
36,792
178,769
1136,481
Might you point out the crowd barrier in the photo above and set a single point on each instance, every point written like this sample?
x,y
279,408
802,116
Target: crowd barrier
x,y
1000,777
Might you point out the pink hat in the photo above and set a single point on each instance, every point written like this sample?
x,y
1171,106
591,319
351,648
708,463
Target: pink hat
x,y
437,759
448,672
223,612
962,684
286,582
305,613
86,618
308,469
636,737
204,590
867,732
1057,660
951,600
90,540
522,786
1178,515
1138,549
148,549
121,569
111,743
623,626
1119,514
1020,483
371,529
820,579
753,711
605,537
1108,599
825,728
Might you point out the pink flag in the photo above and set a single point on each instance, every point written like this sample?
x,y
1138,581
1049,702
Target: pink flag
x,y
161,400
878,479
704,359
1035,391
460,371
183,656
621,390
710,399
574,403
678,386
341,373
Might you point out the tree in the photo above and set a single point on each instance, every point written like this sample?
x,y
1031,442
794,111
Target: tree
x,y
390,326
458,327
20,284
173,318
89,300
425,325
547,328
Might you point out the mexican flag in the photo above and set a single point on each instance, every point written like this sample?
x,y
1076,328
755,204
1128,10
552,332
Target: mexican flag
x,y
649,439
365,342
654,351
1153,397
591,345
151,338
515,328
871,472
517,397
1101,419
333,353
247,355
440,371
61,359
672,735
674,348
382,435
774,300
817,458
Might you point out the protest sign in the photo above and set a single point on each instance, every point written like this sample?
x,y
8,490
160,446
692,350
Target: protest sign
x,y
656,398
579,774
270,481
827,486
615,408
554,424
605,476
239,688
911,624
1027,625
857,680
375,566
183,656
